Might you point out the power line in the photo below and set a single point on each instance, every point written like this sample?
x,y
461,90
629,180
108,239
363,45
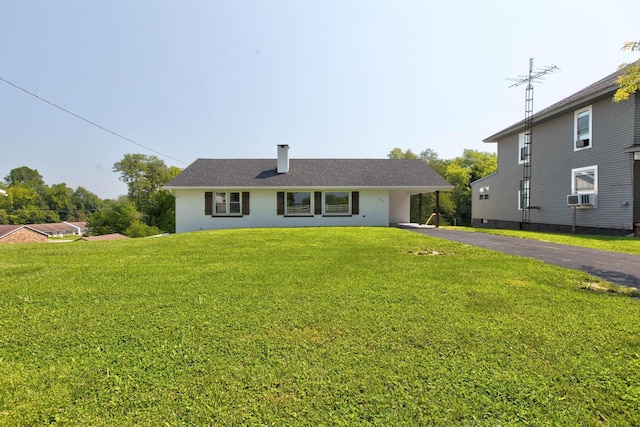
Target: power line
x,y
89,121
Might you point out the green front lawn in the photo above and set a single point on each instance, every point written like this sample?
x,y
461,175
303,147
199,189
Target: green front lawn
x,y
329,326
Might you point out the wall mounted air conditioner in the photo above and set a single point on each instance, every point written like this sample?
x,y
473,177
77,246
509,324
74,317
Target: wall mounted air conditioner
x,y
581,143
587,199
573,200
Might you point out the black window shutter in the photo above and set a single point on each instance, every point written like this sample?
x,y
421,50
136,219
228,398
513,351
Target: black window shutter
x,y
208,203
355,203
245,203
280,208
318,202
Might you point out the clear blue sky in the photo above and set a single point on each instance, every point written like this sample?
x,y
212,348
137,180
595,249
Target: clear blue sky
x,y
331,78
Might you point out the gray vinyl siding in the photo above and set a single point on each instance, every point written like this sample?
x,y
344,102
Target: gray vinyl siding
x,y
636,100
614,128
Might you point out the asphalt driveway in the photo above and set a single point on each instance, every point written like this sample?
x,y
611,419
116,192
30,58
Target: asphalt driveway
x,y
614,267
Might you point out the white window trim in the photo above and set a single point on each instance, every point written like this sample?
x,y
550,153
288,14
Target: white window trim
x,y
521,146
311,204
484,193
228,203
575,128
324,204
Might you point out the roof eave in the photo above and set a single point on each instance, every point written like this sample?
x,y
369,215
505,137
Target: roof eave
x,y
551,112
416,189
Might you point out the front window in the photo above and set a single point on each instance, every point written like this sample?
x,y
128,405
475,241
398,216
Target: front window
x,y
336,202
298,203
227,203
582,126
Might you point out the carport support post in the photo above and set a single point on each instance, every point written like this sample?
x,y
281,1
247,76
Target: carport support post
x,y
437,208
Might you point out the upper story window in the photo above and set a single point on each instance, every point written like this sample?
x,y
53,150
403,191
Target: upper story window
x,y
298,203
524,149
337,203
582,129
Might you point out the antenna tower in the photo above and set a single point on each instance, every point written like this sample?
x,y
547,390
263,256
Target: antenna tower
x,y
535,76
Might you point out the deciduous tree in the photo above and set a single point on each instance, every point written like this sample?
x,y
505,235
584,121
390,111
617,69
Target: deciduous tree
x,y
629,81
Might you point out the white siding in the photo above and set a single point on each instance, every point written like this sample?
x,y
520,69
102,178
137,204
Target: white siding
x,y
374,211
399,207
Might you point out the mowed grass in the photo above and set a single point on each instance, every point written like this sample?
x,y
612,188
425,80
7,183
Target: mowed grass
x,y
628,245
329,326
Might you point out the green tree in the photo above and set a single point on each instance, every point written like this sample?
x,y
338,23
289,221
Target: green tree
x,y
84,203
397,153
144,176
140,229
58,198
26,177
115,217
629,81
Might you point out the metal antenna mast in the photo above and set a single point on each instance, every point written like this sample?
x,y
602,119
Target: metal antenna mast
x,y
535,76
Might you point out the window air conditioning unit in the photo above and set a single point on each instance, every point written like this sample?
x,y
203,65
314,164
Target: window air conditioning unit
x,y
573,200
587,199
582,143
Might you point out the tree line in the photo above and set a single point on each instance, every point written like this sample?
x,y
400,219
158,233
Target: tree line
x,y
455,206
145,210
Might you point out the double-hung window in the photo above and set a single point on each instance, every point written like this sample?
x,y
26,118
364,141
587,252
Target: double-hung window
x,y
337,203
227,203
582,129
484,193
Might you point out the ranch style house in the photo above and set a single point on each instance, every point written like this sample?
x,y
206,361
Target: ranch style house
x,y
282,192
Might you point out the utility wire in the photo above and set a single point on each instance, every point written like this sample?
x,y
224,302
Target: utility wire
x,y
90,122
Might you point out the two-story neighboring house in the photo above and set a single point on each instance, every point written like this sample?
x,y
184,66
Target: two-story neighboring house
x,y
584,168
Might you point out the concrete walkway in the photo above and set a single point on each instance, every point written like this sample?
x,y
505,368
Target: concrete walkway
x,y
614,267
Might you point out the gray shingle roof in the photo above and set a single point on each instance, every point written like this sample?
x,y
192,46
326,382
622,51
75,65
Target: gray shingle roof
x,y
603,87
243,173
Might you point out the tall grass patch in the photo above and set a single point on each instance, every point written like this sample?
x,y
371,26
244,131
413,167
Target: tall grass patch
x,y
308,326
